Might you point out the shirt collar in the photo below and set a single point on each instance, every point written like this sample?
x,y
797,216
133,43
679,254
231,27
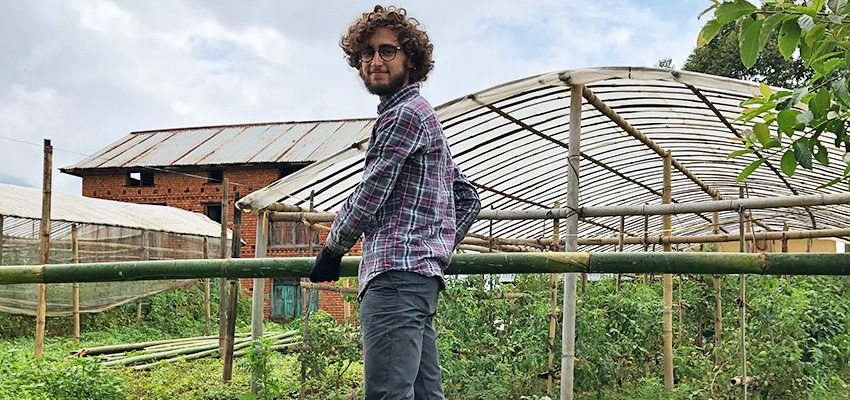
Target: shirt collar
x,y
397,97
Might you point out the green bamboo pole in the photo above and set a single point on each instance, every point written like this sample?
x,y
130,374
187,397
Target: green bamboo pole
x,y
492,263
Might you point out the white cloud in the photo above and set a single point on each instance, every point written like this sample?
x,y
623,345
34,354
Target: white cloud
x,y
87,73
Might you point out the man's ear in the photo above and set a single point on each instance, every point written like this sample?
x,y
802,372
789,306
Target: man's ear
x,y
410,64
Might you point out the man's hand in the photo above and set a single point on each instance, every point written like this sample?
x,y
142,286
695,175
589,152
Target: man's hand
x,y
326,267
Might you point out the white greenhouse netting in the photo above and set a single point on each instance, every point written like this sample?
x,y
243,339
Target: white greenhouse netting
x,y
139,232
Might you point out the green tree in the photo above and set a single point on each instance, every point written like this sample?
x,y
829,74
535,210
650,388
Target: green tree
x,y
818,32
720,57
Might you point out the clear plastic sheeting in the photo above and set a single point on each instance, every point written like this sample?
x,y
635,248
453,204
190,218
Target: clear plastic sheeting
x,y
511,141
97,242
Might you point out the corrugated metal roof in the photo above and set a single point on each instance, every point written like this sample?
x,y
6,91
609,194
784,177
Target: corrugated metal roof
x,y
23,202
233,144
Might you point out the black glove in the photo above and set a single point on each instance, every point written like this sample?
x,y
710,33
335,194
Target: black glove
x,y
326,267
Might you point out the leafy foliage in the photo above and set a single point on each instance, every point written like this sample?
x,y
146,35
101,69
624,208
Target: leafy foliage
x,y
815,33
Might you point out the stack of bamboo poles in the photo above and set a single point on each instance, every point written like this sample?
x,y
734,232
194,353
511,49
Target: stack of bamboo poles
x,y
146,355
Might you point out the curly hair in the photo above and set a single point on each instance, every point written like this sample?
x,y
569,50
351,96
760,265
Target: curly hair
x,y
413,39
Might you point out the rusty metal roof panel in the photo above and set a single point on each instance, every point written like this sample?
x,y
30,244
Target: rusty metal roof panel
x,y
233,144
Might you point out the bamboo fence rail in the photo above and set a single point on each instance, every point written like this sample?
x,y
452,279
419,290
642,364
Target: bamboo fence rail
x,y
495,263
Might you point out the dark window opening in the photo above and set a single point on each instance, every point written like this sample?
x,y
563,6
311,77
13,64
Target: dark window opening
x,y
213,211
139,178
288,169
288,234
216,177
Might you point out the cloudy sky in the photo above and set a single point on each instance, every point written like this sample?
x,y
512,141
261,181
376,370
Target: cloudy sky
x,y
85,73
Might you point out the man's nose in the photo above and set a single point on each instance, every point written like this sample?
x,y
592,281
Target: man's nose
x,y
376,59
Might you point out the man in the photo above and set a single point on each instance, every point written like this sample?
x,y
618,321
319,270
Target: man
x,y
413,205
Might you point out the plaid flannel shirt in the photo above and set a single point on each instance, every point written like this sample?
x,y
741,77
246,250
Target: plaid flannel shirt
x,y
413,204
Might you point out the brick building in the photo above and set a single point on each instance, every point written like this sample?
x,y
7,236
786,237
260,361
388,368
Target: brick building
x,y
185,168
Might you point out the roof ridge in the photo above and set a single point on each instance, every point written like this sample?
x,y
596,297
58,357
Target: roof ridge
x,y
191,128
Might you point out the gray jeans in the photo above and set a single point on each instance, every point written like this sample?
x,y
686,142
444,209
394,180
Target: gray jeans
x,y
399,341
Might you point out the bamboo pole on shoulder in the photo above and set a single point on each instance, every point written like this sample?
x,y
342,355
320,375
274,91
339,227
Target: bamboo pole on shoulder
x,y
568,344
668,279
75,287
230,331
222,282
44,246
553,311
257,297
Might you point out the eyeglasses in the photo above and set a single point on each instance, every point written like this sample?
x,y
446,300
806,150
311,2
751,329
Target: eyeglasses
x,y
386,51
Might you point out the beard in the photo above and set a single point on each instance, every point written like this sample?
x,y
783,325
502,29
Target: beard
x,y
396,82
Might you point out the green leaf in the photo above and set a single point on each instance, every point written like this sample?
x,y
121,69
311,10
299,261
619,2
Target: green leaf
x,y
749,41
822,156
788,163
819,105
846,158
802,154
830,183
840,87
774,142
762,133
827,55
708,32
750,168
817,5
768,26
814,34
753,100
789,37
713,6
786,119
728,12
847,170
737,153
808,11
765,90
750,114
831,64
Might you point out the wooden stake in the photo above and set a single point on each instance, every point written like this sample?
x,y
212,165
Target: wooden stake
x,y
75,287
742,299
568,332
232,300
205,245
646,277
668,279
44,246
258,295
784,240
2,240
553,310
222,283
718,303
620,248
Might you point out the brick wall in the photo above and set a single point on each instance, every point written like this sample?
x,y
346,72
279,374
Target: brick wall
x,y
182,188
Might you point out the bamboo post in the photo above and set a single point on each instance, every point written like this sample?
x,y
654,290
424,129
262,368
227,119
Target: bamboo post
x,y
305,342
668,279
222,283
568,332
620,248
44,246
2,240
144,247
681,309
232,300
784,241
718,303
139,311
646,277
206,255
75,287
742,299
553,309
258,295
